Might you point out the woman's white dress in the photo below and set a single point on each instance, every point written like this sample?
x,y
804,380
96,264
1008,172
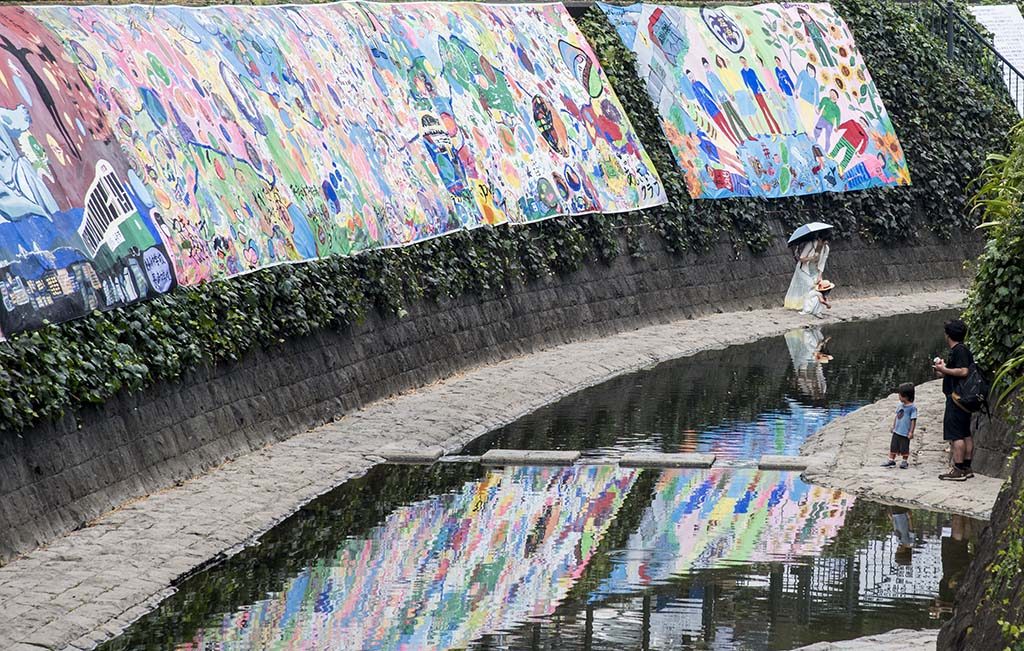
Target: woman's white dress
x,y
805,276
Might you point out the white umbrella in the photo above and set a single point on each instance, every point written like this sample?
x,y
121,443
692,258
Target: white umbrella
x,y
808,229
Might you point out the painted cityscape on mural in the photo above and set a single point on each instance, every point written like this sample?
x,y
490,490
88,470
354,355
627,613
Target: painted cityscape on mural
x,y
769,100
78,230
143,147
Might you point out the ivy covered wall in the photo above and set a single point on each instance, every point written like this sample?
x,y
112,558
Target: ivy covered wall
x,y
990,608
945,121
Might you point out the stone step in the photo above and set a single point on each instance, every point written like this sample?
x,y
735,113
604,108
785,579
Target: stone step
x,y
529,458
411,455
783,462
666,460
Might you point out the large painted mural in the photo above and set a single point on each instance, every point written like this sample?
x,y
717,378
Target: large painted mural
x,y
143,147
76,230
768,100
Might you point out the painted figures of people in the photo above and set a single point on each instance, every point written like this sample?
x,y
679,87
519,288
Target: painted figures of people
x,y
853,141
828,117
811,257
707,102
724,98
753,82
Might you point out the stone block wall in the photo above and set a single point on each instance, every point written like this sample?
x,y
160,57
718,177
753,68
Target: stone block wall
x,y
59,475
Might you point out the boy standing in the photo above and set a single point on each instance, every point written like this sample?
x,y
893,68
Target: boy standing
x,y
903,426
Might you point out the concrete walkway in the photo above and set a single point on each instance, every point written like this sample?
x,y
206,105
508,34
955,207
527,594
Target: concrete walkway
x,y
89,585
898,640
848,452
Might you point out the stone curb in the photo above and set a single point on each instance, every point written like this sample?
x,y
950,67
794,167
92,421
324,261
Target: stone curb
x,y
666,460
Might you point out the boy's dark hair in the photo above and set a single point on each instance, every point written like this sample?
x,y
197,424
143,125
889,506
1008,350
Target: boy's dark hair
x,y
955,329
906,390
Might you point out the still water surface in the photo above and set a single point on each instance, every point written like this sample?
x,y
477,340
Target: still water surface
x,y
600,557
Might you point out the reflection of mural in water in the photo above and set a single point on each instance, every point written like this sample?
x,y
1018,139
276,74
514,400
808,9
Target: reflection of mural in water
x,y
771,432
78,231
708,519
769,100
440,573
279,134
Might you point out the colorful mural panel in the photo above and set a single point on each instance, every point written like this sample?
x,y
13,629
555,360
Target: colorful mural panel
x,y
215,141
769,100
77,231
440,573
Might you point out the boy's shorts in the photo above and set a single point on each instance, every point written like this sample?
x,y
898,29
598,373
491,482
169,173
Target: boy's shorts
x,y
899,444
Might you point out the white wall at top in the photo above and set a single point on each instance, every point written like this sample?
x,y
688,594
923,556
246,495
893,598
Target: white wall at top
x,y
1007,27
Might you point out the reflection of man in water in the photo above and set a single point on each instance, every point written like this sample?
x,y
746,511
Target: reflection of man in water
x,y
903,525
808,352
22,191
955,558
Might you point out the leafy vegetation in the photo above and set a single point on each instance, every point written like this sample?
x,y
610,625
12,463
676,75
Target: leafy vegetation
x,y
995,316
943,119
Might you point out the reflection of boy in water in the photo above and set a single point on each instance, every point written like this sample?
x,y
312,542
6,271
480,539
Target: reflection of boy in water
x,y
22,191
903,525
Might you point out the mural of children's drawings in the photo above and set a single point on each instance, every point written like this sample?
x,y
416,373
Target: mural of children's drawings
x,y
78,231
769,100
146,146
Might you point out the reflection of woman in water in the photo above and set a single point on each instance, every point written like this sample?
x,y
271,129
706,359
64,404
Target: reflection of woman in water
x,y
807,350
810,257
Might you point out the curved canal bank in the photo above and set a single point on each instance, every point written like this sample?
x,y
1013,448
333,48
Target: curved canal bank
x,y
88,585
60,475
848,451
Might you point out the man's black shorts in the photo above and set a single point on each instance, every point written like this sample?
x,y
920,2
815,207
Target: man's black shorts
x,y
956,423
899,444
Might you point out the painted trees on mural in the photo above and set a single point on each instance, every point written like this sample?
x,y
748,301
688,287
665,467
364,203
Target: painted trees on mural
x,y
770,100
280,134
77,229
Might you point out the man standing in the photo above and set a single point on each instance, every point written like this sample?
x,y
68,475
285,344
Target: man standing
x,y
956,423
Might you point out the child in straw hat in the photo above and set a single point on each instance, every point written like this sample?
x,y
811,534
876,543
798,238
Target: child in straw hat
x,y
816,301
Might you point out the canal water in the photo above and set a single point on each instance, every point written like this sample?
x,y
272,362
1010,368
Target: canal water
x,y
595,556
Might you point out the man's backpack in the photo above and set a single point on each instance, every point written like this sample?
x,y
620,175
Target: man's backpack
x,y
971,392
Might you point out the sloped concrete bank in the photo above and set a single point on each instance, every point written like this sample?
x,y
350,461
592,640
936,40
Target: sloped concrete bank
x,y
847,452
88,585
58,476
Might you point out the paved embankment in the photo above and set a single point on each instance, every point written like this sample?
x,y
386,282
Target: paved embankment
x,y
848,452
87,586
898,640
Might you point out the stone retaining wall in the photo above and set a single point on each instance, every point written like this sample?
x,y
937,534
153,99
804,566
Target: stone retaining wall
x,y
976,616
58,476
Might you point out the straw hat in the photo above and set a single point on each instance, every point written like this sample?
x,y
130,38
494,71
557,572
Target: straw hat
x,y
824,286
